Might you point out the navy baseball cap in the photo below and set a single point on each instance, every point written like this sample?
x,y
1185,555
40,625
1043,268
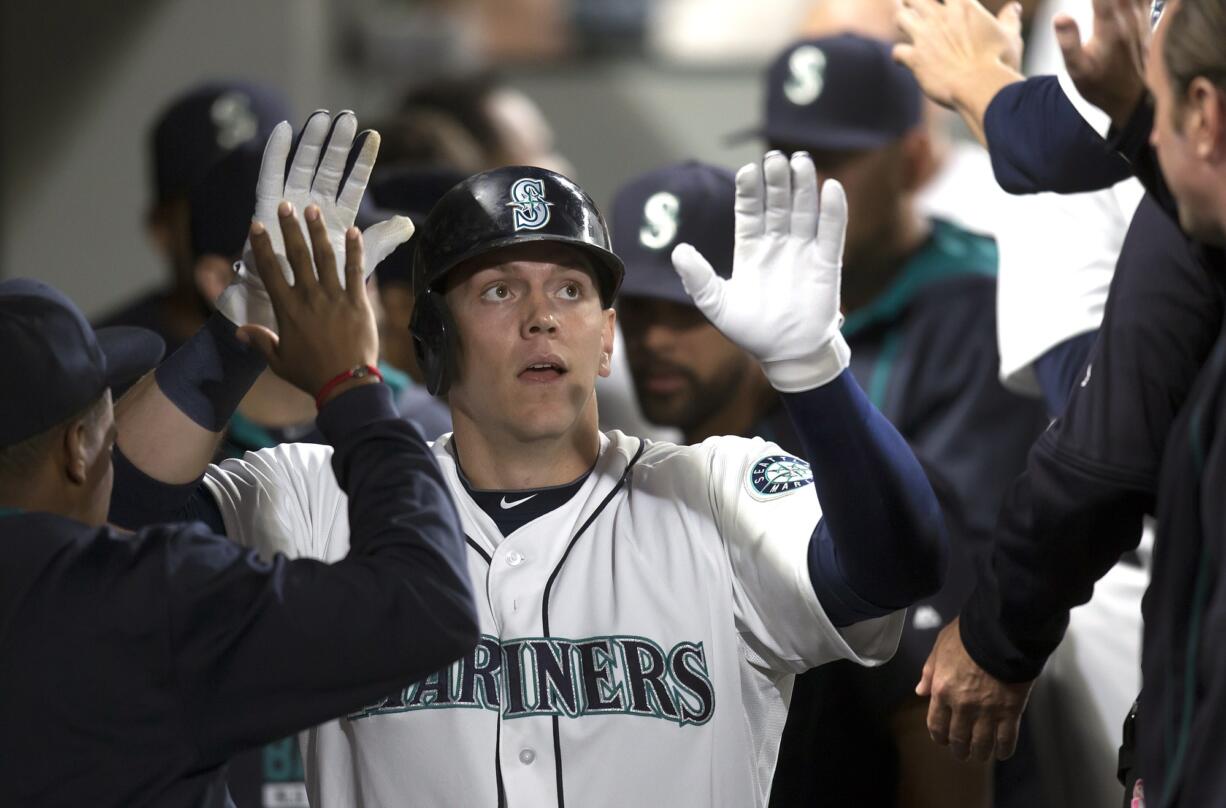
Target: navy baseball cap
x,y
408,192
205,124
223,202
54,364
688,202
838,93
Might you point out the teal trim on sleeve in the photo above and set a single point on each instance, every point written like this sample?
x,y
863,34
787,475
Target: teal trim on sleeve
x,y
11,512
395,378
950,252
879,381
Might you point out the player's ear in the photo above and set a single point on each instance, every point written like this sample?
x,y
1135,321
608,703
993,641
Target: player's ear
x,y
607,336
74,451
920,159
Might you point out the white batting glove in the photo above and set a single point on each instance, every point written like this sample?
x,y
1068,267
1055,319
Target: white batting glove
x,y
782,302
310,181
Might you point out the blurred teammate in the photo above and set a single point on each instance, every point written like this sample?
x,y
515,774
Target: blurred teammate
x,y
1106,70
189,137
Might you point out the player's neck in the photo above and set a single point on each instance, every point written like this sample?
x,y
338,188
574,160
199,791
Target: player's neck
x,y
495,459
40,492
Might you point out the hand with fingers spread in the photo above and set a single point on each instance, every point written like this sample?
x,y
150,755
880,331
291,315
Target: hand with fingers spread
x,y
782,302
1108,69
971,711
326,322
960,54
315,177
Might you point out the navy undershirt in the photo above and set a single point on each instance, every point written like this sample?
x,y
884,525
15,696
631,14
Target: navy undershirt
x,y
511,510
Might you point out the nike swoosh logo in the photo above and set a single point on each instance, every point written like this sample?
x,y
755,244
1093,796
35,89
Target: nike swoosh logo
x,y
506,506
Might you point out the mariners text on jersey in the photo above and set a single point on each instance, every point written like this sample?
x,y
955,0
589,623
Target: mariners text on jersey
x,y
551,676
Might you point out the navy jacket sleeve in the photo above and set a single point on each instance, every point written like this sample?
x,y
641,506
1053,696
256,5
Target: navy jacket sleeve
x,y
1038,141
262,650
1092,476
881,544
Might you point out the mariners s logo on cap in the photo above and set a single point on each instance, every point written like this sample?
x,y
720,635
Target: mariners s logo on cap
x,y
776,475
235,120
528,199
660,215
806,75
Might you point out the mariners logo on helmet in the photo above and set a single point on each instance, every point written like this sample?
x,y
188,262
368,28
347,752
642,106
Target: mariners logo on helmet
x,y
528,199
776,475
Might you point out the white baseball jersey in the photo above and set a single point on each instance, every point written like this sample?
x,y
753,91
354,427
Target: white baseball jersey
x,y
638,643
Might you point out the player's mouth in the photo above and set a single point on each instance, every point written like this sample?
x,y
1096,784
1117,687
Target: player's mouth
x,y
664,384
543,370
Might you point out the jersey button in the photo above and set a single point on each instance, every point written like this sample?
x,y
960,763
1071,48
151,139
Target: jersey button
x,y
515,558
526,756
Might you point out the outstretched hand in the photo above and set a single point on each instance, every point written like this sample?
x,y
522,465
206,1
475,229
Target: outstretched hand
x,y
316,176
960,54
325,328
782,302
1108,69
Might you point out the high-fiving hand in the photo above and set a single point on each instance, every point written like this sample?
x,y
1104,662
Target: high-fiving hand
x,y
315,177
327,324
782,302
1108,68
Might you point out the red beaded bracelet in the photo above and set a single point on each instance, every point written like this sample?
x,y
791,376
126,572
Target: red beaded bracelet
x,y
359,372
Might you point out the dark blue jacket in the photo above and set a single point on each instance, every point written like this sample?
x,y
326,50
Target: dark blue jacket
x,y
132,666
1159,423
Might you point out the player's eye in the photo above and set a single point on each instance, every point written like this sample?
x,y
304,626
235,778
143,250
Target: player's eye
x,y
572,291
497,291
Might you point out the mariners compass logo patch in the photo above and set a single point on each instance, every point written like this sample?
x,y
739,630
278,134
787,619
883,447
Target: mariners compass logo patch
x,y
776,475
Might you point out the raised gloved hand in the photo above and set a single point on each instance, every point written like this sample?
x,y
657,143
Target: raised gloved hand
x,y
782,302
314,177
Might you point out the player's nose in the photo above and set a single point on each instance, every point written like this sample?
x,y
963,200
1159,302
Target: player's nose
x,y
540,316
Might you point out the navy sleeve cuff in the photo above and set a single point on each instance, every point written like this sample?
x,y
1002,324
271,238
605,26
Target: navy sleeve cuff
x,y
354,409
138,500
208,377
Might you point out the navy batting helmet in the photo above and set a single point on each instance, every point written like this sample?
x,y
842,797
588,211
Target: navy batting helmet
x,y
498,208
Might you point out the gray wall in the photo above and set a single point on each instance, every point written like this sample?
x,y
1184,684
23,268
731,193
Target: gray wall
x,y
82,83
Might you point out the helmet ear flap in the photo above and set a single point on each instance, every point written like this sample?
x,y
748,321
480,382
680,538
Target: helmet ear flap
x,y
433,331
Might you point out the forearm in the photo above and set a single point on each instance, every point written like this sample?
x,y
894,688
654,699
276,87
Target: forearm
x,y
1061,528
881,544
403,523
1038,141
972,98
170,422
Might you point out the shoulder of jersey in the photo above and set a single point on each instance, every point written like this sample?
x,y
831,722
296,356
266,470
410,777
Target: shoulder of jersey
x,y
765,470
292,459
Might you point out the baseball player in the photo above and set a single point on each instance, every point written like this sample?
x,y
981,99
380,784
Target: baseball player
x,y
645,605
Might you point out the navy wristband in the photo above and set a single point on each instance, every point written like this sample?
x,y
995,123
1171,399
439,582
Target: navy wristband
x,y
208,377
